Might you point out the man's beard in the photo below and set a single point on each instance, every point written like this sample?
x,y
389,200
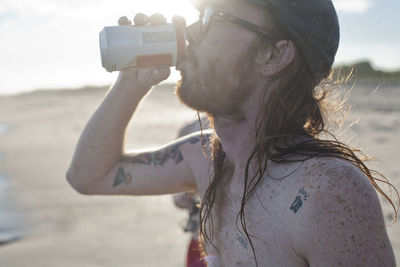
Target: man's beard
x,y
216,91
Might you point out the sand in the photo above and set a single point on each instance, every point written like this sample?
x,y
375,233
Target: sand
x,y
62,228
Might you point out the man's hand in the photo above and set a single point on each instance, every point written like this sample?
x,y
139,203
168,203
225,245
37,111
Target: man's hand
x,y
143,79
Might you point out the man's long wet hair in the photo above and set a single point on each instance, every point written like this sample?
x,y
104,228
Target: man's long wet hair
x,y
301,106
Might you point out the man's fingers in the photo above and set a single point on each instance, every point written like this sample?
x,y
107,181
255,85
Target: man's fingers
x,y
152,76
160,73
157,19
124,21
140,19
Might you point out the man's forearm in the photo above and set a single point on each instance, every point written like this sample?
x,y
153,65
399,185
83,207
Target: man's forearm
x,y
101,143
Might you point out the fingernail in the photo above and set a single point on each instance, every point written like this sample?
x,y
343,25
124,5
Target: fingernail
x,y
123,20
140,19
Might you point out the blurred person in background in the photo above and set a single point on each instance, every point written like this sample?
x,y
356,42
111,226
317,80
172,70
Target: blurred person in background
x,y
191,202
195,256
274,191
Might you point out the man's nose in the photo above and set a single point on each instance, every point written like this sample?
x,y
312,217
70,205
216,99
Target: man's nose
x,y
194,33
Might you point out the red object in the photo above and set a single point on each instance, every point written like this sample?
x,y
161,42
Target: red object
x,y
195,255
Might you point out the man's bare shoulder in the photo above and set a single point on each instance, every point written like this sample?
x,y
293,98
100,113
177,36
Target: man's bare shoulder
x,y
337,217
331,177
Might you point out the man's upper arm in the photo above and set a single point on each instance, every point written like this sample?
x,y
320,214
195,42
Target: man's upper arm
x,y
342,221
161,171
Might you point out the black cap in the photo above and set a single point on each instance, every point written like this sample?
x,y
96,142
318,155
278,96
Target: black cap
x,y
314,27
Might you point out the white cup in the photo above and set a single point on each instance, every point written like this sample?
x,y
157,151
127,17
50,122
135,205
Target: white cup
x,y
141,46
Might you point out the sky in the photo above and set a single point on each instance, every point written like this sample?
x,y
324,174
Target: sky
x,y
54,43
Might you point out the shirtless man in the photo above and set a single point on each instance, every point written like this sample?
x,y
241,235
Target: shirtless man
x,y
278,195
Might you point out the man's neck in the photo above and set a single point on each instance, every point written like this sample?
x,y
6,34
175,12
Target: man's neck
x,y
238,137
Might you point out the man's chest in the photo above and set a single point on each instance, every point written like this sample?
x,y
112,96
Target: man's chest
x,y
264,218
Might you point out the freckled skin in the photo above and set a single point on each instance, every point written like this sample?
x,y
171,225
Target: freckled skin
x,y
329,229
267,216
346,207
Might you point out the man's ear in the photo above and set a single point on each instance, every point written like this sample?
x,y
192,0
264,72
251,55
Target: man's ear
x,y
274,59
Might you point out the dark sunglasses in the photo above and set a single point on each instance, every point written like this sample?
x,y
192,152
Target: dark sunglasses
x,y
210,12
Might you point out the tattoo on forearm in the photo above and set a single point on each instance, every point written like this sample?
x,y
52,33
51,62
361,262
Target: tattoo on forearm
x,y
158,158
122,177
302,195
241,240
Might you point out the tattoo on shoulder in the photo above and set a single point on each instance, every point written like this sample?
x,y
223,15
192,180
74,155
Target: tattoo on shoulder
x,y
122,177
302,196
158,158
241,240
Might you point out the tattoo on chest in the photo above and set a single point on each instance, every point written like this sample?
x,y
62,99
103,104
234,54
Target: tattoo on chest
x,y
302,196
241,240
158,158
122,177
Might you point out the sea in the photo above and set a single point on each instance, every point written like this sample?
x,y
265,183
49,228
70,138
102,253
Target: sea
x,y
10,229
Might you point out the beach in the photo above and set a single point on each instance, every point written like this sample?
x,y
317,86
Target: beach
x,y
56,226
